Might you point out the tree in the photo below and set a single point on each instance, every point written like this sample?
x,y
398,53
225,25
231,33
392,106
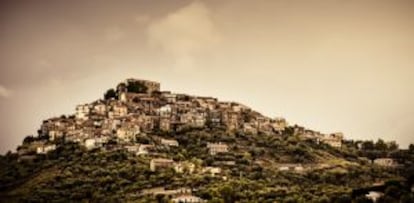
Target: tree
x,y
392,146
28,139
368,145
371,155
227,194
392,191
343,199
110,94
362,199
406,198
411,148
136,87
323,199
381,145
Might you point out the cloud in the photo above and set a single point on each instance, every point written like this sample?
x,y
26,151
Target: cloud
x,y
4,92
142,19
114,34
184,33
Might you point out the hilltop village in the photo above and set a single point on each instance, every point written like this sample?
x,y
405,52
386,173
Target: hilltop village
x,y
140,107
187,145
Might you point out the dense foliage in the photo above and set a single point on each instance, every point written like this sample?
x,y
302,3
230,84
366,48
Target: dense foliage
x,y
110,94
74,173
136,87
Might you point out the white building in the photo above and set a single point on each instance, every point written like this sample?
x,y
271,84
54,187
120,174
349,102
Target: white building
x,y
168,142
82,111
171,98
279,124
182,167
127,133
160,163
118,111
291,167
186,198
334,139
374,196
100,109
199,120
215,148
249,128
90,143
143,148
165,111
213,171
132,148
53,134
387,162
44,149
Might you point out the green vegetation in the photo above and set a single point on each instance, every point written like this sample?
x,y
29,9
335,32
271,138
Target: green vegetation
x,y
73,173
111,93
132,87
136,87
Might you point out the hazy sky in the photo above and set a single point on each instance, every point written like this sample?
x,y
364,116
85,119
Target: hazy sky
x,y
333,65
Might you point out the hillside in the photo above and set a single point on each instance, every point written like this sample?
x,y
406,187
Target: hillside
x,y
141,144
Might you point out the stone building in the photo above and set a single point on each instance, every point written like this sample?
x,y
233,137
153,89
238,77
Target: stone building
x,y
182,167
118,110
231,120
213,171
127,133
279,124
155,164
334,139
146,122
215,148
82,111
90,143
169,97
165,111
54,134
168,142
44,149
374,195
165,124
291,167
144,149
249,128
99,108
386,162
187,198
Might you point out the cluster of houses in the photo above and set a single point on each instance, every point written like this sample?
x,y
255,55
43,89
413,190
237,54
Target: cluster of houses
x,y
180,167
332,139
138,113
39,147
214,149
133,113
